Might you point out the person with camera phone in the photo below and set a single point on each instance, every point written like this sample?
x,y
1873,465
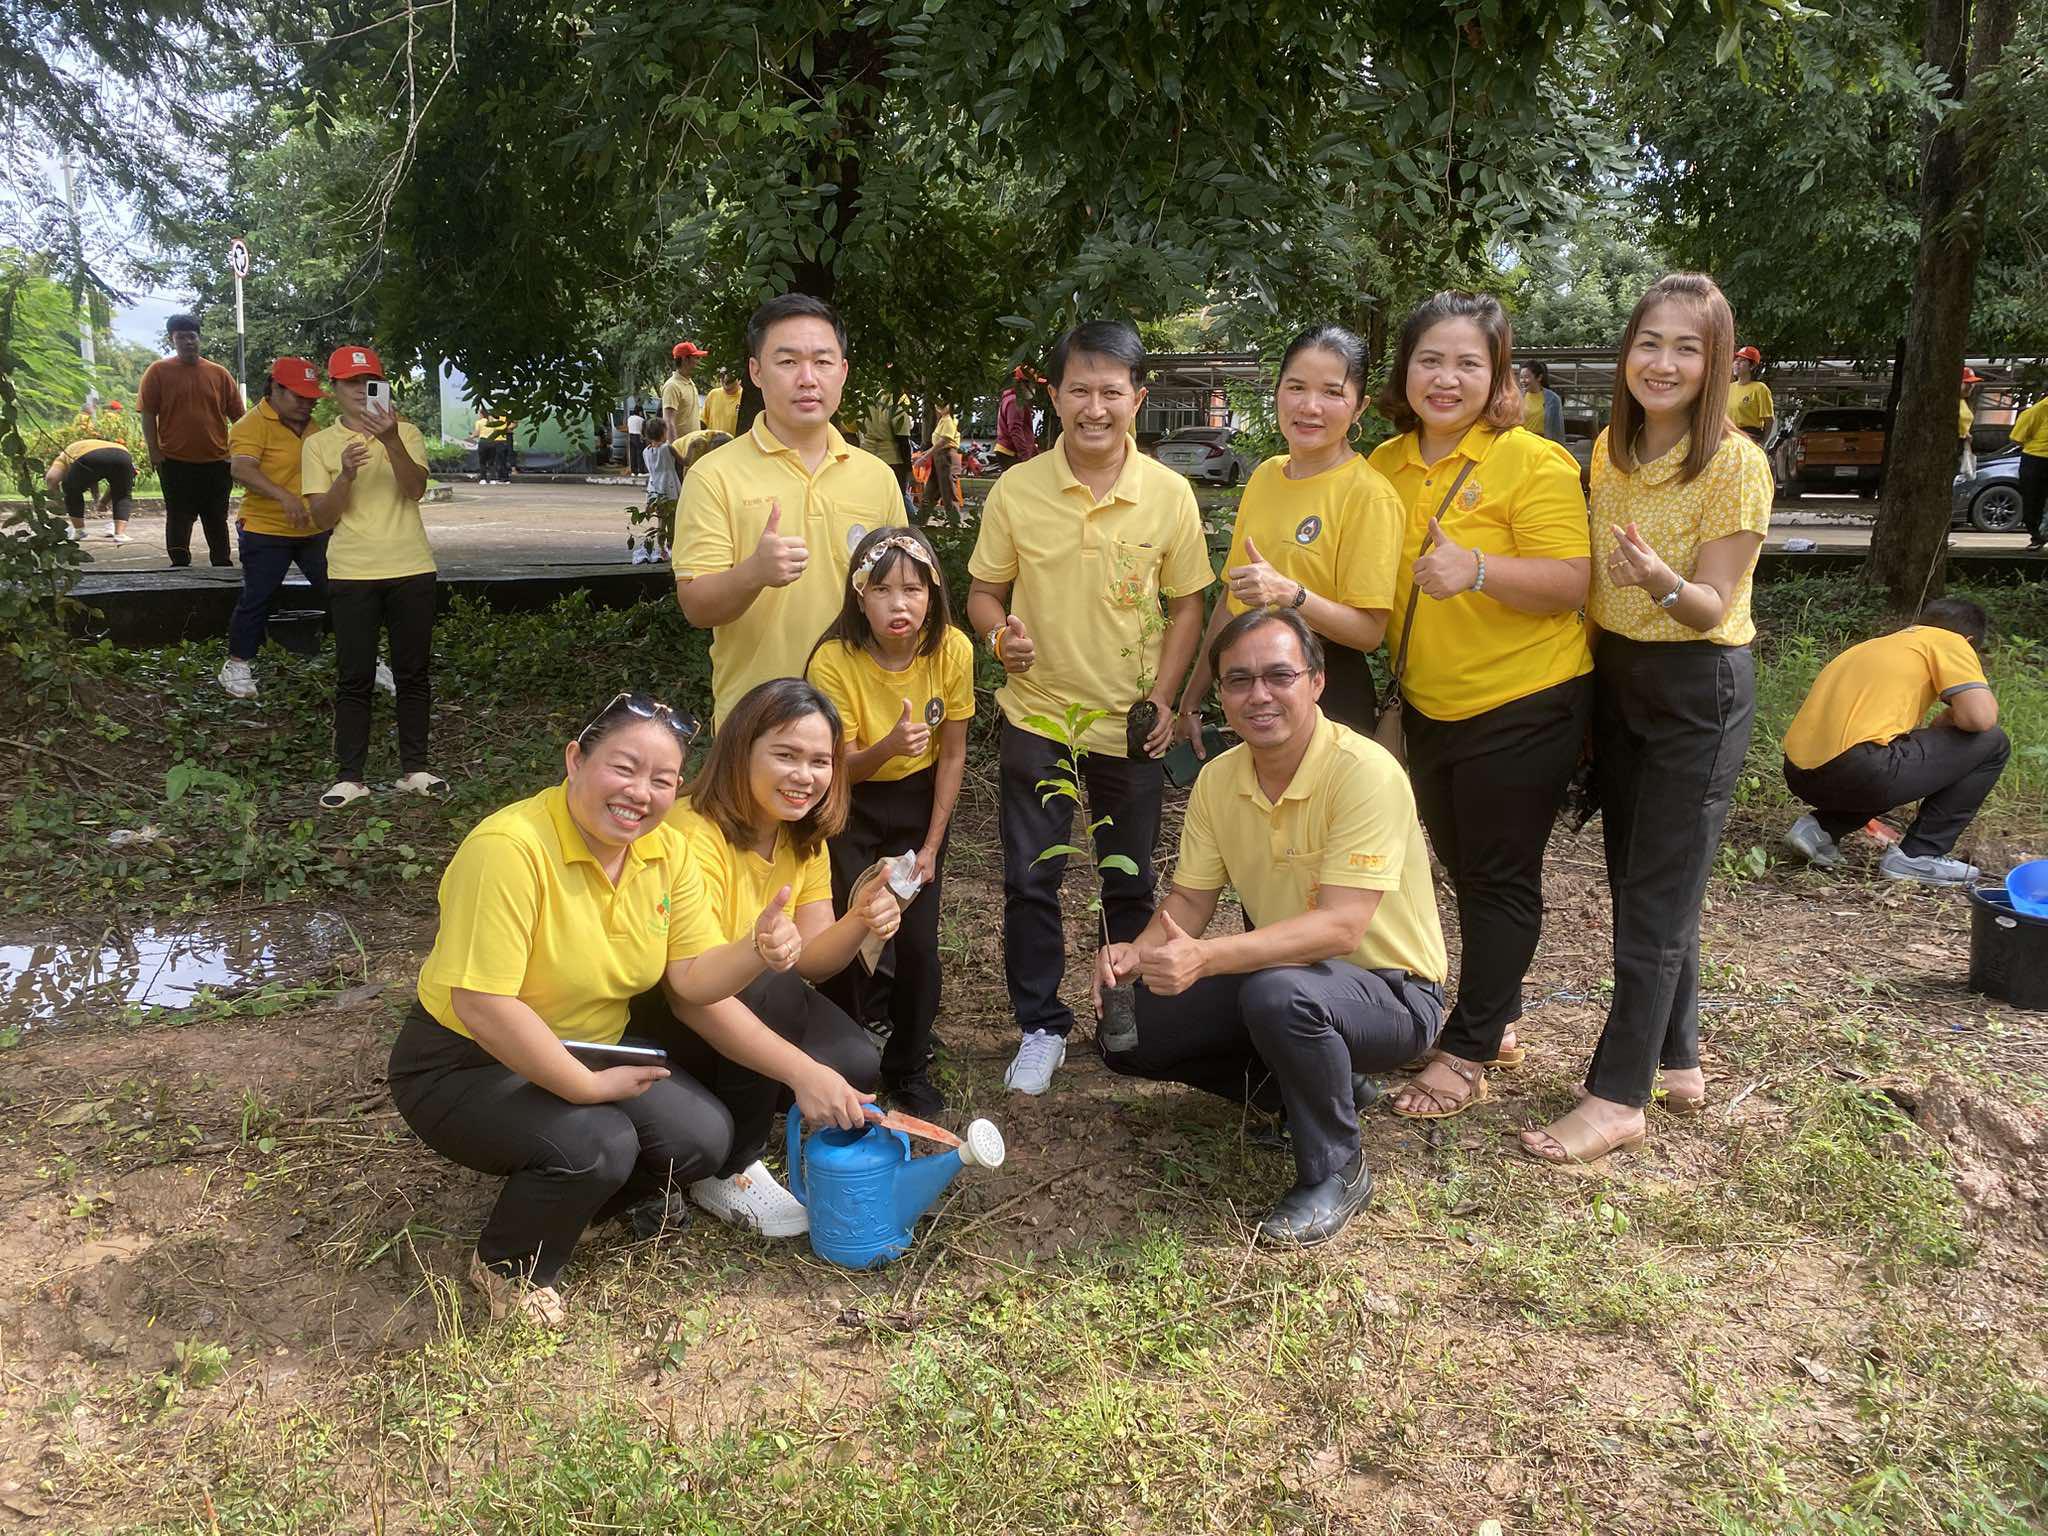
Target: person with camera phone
x,y
562,915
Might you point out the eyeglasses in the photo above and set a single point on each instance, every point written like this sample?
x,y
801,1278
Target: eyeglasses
x,y
1276,679
643,706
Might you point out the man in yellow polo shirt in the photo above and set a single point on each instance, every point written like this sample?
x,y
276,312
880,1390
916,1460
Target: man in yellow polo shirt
x,y
2030,430
1856,749
1750,405
767,522
264,452
679,407
1314,826
722,405
1077,549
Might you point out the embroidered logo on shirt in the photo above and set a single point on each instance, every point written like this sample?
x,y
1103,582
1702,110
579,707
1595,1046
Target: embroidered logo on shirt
x,y
660,918
1372,863
1469,497
853,537
1309,529
935,712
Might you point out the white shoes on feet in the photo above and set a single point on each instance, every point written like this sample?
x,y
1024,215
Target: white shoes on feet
x,y
755,1199
1039,1055
237,680
1928,869
421,782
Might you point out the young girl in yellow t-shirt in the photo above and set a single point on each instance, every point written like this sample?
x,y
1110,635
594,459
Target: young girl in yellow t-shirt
x,y
902,676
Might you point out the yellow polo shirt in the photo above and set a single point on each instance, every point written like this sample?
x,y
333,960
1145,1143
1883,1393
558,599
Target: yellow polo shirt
x,y
263,436
681,394
2030,429
940,687
726,497
1347,819
1469,653
1731,495
381,537
738,881
1083,574
527,912
1965,418
1879,690
722,411
77,450
1750,405
947,433
1337,533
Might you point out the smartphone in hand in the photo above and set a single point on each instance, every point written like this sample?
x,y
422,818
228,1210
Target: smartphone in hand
x,y
377,392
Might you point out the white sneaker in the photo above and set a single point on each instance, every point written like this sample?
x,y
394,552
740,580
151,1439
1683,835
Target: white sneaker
x,y
119,537
77,533
237,679
640,556
1925,869
1039,1053
384,678
753,1198
421,782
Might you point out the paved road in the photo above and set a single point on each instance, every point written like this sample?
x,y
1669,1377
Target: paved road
x,y
549,527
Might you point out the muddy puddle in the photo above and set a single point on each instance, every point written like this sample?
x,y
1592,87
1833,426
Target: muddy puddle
x,y
67,978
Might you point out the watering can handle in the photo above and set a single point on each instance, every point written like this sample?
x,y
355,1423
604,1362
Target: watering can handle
x,y
796,1155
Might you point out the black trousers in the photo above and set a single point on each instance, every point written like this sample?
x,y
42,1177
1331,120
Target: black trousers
x,y
1671,723
2033,492
195,493
403,608
112,465
884,817
1127,791
1488,789
796,1011
1349,695
565,1165
1950,772
1288,1038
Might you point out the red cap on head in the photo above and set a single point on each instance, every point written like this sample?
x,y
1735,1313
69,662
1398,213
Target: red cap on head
x,y
1971,375
113,405
687,349
298,376
355,363
1749,354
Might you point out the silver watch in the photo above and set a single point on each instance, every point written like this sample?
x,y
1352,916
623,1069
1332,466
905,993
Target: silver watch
x,y
1672,596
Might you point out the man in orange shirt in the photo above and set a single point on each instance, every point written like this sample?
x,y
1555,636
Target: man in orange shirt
x,y
188,402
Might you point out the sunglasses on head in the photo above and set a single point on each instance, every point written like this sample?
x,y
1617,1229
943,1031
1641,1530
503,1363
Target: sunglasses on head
x,y
643,706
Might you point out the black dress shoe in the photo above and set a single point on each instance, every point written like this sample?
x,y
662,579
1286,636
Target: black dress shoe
x,y
1314,1213
661,1215
1366,1091
915,1094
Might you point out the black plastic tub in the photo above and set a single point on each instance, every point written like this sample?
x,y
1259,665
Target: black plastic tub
x,y
2008,950
299,630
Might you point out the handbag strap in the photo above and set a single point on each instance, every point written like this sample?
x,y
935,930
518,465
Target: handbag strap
x,y
1414,592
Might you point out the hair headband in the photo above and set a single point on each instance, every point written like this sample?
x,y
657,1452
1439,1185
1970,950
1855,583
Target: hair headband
x,y
858,576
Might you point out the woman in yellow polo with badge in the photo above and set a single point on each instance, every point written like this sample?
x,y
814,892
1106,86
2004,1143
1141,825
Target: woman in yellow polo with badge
x,y
1681,504
1750,405
1496,683
561,915
1318,530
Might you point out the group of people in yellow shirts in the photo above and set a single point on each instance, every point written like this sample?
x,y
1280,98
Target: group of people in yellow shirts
x,y
634,969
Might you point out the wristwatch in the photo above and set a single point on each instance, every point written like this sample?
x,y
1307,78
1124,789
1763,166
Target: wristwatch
x,y
1673,595
1300,595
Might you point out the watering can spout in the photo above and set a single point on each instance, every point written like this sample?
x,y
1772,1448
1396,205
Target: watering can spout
x,y
921,1181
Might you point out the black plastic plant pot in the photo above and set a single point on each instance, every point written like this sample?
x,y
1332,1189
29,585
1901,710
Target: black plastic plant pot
x,y
1117,1028
299,630
1138,725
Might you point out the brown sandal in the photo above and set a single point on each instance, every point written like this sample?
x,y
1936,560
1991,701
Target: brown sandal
x,y
1578,1141
1444,1103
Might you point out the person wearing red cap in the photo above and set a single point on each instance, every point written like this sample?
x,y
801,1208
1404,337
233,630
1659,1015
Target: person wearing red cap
x,y
187,404
679,407
277,532
364,477
1750,405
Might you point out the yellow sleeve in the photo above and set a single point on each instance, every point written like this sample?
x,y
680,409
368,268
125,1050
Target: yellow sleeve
x,y
245,438
1201,860
704,542
315,473
827,673
692,920
1738,494
1369,553
1186,566
1770,406
813,881
995,550
1549,511
1371,813
1953,661
956,663
490,904
414,443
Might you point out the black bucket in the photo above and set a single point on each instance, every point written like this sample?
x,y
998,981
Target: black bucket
x,y
299,630
2008,950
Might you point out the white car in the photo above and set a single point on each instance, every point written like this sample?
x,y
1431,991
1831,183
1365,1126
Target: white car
x,y
1204,453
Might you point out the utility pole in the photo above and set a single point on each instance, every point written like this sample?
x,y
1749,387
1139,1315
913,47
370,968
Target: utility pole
x,y
86,350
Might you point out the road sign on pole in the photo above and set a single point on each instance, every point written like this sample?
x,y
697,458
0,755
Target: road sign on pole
x,y
238,263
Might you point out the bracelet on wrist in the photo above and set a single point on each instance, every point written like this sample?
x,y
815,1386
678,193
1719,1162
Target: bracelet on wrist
x,y
1479,577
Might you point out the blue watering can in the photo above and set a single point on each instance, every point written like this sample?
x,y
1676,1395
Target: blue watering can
x,y
865,1191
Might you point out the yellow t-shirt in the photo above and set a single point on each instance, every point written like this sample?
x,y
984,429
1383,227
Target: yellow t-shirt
x,y
738,881
278,450
527,912
381,536
1347,819
940,687
490,428
1532,411
722,411
1965,418
726,497
79,449
1468,653
2030,429
947,433
1337,533
1878,690
1083,574
680,394
1731,495
1750,405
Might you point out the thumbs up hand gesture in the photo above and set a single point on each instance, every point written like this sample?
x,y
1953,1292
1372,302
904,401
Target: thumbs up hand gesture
x,y
776,939
1018,651
778,559
910,735
1446,568
1173,962
1256,584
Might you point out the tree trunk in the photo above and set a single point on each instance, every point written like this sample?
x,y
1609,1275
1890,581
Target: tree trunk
x,y
1909,546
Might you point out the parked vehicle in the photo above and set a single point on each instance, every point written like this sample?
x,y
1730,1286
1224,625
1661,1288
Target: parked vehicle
x,y
1204,453
1832,448
1989,500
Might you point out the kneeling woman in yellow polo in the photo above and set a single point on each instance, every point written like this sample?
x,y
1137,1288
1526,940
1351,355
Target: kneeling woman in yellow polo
x,y
557,913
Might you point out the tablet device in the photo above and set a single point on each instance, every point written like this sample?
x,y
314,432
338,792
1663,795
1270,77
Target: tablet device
x,y
599,1057
1183,767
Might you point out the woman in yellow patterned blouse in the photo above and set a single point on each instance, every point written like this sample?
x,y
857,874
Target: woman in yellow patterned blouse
x,y
1681,503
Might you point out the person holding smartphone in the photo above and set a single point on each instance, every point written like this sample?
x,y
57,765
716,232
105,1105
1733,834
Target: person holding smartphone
x,y
363,477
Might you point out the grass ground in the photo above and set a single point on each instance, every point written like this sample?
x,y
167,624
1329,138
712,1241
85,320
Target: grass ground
x,y
229,1278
